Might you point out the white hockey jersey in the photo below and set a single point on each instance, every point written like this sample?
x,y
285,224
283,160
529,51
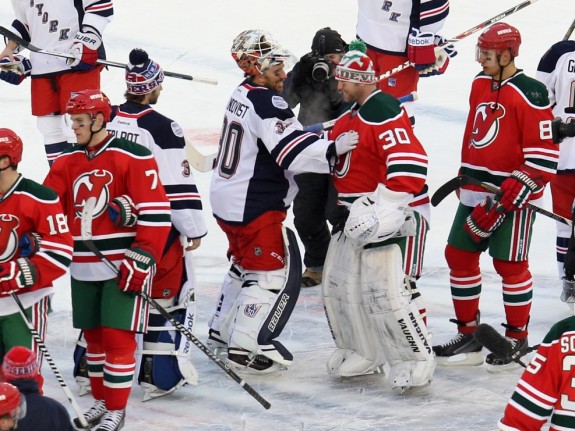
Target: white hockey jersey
x,y
556,70
261,148
385,25
52,24
165,140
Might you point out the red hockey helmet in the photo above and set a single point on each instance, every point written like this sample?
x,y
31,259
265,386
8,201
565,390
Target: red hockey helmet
x,y
11,402
89,102
11,146
500,36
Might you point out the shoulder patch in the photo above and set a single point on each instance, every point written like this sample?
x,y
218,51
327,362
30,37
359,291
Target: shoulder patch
x,y
279,102
177,130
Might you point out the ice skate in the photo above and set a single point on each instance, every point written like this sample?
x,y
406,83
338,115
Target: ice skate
x,y
93,415
112,420
311,277
497,364
216,343
244,360
463,349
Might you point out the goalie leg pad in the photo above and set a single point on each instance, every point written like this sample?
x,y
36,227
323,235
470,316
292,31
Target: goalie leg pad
x,y
402,333
224,314
357,351
80,371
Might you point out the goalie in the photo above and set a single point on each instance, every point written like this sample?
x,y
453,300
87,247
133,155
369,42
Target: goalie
x,y
374,310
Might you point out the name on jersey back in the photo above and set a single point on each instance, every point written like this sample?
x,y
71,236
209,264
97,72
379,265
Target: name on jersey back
x,y
237,108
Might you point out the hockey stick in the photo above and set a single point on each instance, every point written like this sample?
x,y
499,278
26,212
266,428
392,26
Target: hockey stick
x,y
411,97
463,35
25,44
51,363
465,180
569,31
499,345
201,162
86,223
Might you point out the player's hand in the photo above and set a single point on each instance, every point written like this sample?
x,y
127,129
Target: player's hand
x,y
15,73
122,211
29,244
517,189
442,57
421,49
136,271
193,243
17,274
346,142
85,50
483,220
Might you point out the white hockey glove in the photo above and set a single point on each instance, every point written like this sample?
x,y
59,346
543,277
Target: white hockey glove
x,y
379,216
15,73
85,50
442,57
346,142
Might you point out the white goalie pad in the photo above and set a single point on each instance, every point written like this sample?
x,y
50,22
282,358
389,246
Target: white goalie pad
x,y
379,216
225,312
402,334
357,351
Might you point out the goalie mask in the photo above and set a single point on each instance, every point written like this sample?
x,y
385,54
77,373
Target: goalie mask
x,y
254,51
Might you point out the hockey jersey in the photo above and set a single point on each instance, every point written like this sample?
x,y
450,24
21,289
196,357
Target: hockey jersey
x,y
262,146
29,207
165,140
388,152
508,128
557,71
52,24
118,168
385,25
545,392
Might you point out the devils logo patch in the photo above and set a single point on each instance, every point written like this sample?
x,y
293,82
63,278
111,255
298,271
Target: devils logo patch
x,y
486,124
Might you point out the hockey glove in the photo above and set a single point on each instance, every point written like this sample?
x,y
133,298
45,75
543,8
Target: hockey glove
x,y
483,220
136,271
17,274
85,50
29,244
346,142
442,57
15,73
421,49
122,211
517,189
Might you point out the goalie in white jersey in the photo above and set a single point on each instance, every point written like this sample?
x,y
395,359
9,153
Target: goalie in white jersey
x,y
262,146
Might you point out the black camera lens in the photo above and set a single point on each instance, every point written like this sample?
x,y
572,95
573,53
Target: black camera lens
x,y
561,130
321,71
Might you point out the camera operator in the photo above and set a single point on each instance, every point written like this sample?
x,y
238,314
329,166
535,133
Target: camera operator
x,y
312,85
557,72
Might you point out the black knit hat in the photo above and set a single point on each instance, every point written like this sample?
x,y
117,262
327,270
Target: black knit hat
x,y
328,41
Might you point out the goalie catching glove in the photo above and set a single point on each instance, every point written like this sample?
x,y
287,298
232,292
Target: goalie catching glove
x,y
15,73
17,274
483,220
136,271
85,49
380,215
122,211
517,189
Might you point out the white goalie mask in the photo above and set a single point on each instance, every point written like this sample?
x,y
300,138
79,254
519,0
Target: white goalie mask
x,y
256,50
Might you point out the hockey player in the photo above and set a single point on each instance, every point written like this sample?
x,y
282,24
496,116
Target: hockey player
x,y
555,72
507,143
35,248
366,292
404,30
173,287
261,147
108,308
312,85
74,27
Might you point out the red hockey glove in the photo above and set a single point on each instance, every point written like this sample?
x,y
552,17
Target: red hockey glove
x,y
517,189
483,220
122,211
29,244
421,49
136,271
15,73
85,50
442,57
17,274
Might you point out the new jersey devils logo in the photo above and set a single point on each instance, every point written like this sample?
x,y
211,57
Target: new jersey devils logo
x,y
8,236
486,124
92,184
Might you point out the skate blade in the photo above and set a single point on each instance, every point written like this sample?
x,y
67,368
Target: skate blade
x,y
84,390
376,370
461,360
156,394
495,369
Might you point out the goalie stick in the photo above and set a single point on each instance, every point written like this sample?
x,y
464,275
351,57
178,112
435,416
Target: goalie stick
x,y
86,228
569,31
463,35
199,161
42,346
499,345
25,44
465,180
